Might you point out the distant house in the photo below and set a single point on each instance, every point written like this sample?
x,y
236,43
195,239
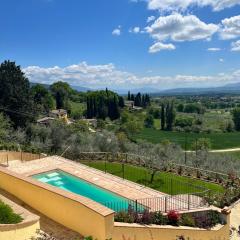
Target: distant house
x,y
58,113
45,121
91,122
53,115
135,108
129,104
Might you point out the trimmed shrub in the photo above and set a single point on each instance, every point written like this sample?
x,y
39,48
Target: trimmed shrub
x,y
159,219
124,217
7,216
187,220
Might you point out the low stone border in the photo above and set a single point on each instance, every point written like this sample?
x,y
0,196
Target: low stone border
x,y
28,217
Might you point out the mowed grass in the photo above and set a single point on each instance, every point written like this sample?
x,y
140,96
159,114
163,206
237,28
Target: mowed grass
x,y
163,182
218,140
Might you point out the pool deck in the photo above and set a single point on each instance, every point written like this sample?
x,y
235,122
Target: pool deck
x,y
117,185
112,183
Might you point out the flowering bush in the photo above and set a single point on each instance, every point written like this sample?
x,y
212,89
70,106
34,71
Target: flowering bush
x,y
174,217
206,219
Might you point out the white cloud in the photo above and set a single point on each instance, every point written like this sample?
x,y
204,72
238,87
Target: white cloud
x,y
181,28
101,76
182,5
230,28
235,46
157,47
214,49
150,19
117,31
221,60
135,30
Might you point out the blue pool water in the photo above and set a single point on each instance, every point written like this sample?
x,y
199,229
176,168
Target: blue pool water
x,y
68,182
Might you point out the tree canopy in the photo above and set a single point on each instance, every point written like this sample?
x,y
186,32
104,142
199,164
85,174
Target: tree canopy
x,y
15,97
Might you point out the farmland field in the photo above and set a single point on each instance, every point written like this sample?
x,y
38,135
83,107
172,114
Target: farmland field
x,y
218,140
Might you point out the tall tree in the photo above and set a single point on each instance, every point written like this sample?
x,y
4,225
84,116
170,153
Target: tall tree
x,y
163,117
121,102
138,100
236,118
61,92
129,96
170,116
43,100
113,110
15,97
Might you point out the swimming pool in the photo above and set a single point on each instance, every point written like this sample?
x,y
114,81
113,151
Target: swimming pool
x,y
68,182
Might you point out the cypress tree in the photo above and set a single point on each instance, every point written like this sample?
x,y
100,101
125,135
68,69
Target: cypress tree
x,y
129,96
143,101
170,116
121,102
138,100
163,117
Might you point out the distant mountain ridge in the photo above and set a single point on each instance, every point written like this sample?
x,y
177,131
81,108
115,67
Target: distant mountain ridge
x,y
228,88
233,88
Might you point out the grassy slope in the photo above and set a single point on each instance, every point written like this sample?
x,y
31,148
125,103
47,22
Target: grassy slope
x,y
218,140
162,181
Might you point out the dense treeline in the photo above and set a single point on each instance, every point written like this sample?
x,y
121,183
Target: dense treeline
x,y
103,104
140,100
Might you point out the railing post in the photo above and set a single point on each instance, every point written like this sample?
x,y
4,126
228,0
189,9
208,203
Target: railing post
x,y
136,206
188,202
105,163
7,161
171,187
165,204
123,168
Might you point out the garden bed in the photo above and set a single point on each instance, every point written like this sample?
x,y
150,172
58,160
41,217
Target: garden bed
x,y
16,222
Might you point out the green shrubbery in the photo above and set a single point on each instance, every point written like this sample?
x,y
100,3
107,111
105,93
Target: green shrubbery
x,y
204,220
7,216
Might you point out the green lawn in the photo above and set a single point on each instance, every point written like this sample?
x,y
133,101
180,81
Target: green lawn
x,y
218,140
163,182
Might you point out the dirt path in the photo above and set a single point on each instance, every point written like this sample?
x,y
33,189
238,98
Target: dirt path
x,y
221,150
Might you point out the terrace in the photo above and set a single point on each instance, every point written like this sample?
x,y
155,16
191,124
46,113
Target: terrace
x,y
95,217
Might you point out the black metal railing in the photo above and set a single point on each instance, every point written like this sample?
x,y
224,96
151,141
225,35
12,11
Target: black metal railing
x,y
162,204
182,195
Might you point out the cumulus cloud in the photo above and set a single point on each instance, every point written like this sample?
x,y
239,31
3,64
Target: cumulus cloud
x,y
182,5
157,47
135,30
230,28
214,49
177,27
117,31
101,76
150,19
235,46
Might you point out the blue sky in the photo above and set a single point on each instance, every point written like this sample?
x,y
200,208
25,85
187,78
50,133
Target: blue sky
x,y
111,43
